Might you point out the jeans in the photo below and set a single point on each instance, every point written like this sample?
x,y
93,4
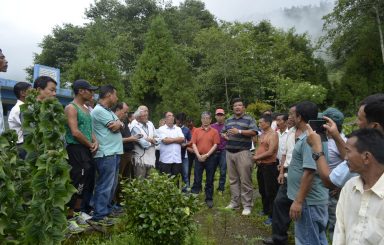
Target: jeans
x,y
108,172
185,164
220,162
281,219
310,228
209,167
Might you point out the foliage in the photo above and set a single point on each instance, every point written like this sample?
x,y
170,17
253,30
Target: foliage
x,y
98,59
12,212
257,108
162,79
49,180
183,59
353,40
158,212
290,92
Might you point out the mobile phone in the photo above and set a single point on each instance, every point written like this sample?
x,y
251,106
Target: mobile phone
x,y
317,126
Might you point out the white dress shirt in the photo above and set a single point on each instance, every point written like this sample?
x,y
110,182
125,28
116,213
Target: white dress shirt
x,y
170,153
14,121
282,142
360,214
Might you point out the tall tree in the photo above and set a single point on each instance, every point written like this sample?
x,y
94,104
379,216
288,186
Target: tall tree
x,y
162,79
98,59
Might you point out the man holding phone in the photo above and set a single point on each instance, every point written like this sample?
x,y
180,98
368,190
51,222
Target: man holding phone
x,y
310,198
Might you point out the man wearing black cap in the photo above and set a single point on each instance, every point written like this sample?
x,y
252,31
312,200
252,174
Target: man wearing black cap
x,y
81,144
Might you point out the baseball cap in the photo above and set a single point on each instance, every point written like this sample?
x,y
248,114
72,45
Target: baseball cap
x,y
83,84
219,111
333,113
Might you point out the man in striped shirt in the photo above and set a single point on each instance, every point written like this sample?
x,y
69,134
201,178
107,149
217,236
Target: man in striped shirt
x,y
238,131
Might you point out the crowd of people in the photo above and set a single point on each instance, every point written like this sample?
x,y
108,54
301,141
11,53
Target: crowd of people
x,y
323,183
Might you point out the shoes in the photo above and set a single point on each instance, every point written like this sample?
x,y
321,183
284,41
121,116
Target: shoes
x,y
209,203
81,218
268,221
73,227
102,222
246,211
231,206
268,240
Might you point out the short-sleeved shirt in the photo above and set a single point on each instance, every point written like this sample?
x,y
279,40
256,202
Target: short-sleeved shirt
x,y
334,153
302,159
204,139
223,141
110,143
239,141
170,153
187,136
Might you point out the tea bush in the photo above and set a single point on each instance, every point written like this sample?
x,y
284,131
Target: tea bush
x,y
157,211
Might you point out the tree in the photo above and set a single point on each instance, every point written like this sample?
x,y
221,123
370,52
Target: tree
x,y
59,49
354,35
98,59
162,79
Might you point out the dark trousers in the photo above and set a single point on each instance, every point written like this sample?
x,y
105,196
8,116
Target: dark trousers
x,y
82,175
209,167
220,162
191,159
268,177
260,183
281,219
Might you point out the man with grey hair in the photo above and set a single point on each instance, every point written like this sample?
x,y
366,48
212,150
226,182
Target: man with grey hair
x,y
144,157
3,68
204,143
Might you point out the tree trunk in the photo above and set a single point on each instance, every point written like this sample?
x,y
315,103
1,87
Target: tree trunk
x,y
380,31
226,92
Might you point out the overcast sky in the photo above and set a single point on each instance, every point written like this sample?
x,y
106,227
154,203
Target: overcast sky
x,y
24,23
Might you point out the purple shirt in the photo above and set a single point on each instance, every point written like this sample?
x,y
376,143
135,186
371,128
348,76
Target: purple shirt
x,y
223,142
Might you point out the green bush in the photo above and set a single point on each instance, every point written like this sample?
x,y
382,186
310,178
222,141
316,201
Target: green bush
x,y
157,211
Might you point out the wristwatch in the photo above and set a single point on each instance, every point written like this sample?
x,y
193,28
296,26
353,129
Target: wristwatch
x,y
317,155
239,131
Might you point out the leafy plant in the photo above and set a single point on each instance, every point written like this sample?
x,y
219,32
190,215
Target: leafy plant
x,y
158,212
48,177
11,179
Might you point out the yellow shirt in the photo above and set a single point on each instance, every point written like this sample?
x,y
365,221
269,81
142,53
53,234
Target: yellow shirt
x,y
360,214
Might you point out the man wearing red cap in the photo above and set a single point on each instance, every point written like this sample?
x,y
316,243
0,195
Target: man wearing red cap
x,y
219,158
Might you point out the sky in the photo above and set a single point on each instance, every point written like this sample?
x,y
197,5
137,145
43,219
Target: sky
x,y
24,23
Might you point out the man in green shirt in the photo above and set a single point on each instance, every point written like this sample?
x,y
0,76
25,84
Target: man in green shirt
x,y
81,144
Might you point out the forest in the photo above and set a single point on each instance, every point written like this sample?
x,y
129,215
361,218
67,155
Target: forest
x,y
182,58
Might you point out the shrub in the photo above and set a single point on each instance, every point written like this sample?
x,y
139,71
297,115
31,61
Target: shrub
x,y
157,211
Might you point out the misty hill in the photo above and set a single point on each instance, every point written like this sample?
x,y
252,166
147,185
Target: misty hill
x,y
306,18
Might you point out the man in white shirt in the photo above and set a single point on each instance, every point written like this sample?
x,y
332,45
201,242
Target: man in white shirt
x,y
171,138
14,120
282,132
359,213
